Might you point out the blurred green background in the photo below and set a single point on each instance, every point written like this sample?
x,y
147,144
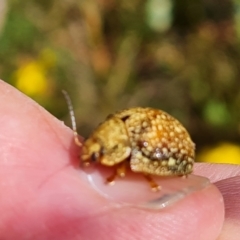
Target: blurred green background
x,y
179,56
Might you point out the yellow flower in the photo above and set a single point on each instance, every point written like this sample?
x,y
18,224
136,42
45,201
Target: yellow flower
x,y
31,79
224,153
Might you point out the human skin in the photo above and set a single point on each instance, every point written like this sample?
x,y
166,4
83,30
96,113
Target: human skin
x,y
45,195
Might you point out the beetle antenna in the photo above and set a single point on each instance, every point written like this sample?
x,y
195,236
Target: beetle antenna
x,y
72,116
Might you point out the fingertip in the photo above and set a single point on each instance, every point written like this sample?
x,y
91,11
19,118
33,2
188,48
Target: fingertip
x,y
197,217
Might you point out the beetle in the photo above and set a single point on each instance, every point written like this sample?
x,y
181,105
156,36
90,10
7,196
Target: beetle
x,y
147,140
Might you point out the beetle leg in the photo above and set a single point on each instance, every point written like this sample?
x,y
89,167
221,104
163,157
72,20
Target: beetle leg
x,y
184,176
154,186
119,171
110,179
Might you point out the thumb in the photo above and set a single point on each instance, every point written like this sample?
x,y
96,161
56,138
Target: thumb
x,y
44,195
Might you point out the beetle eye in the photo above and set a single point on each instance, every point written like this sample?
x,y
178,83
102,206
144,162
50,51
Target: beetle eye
x,y
94,156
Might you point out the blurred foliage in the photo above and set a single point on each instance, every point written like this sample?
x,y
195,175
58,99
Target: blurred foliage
x,y
179,56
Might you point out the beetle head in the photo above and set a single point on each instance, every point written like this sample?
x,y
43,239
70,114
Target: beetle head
x,y
92,151
108,144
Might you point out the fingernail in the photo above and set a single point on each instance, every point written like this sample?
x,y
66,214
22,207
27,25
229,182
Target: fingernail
x,y
133,190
